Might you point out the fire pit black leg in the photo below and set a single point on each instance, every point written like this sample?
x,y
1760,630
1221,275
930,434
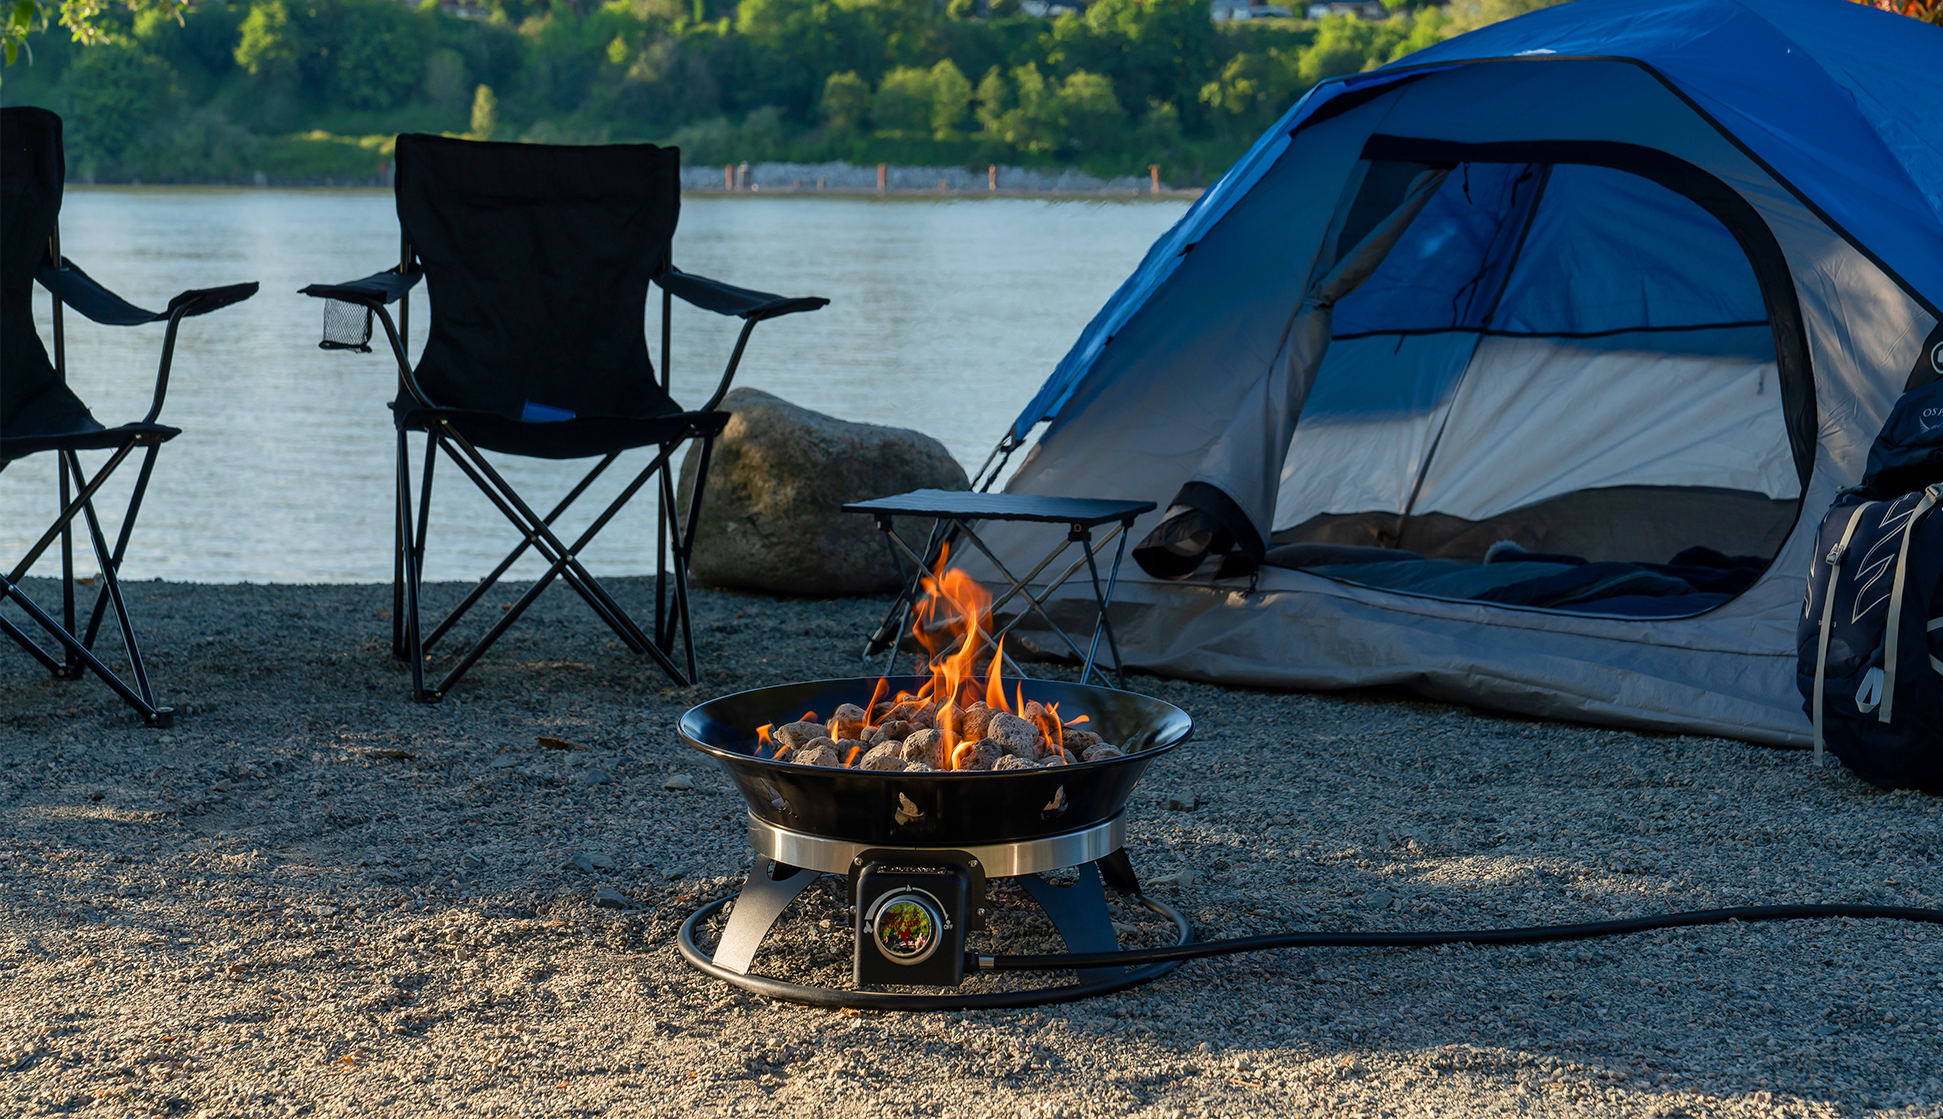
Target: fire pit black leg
x,y
1079,913
1117,870
762,900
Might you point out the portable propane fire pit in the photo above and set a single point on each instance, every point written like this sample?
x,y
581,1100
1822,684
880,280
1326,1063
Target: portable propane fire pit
x,y
919,847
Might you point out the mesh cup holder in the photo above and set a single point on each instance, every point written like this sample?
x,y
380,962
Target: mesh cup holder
x,y
347,326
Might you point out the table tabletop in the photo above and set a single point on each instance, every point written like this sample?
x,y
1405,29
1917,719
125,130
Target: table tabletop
x,y
968,504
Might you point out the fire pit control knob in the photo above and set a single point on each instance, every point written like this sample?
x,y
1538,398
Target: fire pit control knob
x,y
911,925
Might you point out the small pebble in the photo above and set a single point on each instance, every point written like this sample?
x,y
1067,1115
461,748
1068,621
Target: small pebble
x,y
607,897
677,781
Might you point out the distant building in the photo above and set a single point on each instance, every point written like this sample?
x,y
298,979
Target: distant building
x,y
1222,11
1361,9
1050,9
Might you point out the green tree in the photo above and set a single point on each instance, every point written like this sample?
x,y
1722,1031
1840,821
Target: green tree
x,y
845,101
1087,112
375,55
268,44
994,98
951,94
114,93
903,102
485,113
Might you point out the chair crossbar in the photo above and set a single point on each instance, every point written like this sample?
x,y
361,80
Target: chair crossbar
x,y
70,509
541,535
492,578
78,491
537,533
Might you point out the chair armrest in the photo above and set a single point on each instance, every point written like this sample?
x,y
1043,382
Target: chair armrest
x,y
373,291
727,299
82,292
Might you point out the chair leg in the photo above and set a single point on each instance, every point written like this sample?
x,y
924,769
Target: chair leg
x,y
71,669
121,539
684,548
408,561
111,584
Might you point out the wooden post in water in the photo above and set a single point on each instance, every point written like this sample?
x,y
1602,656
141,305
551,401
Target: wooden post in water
x,y
883,176
742,176
728,177
991,177
1153,172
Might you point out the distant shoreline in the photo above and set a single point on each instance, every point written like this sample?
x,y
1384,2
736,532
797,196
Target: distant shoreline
x,y
901,194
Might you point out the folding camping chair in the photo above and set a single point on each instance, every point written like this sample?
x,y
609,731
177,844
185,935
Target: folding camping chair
x,y
538,261
39,413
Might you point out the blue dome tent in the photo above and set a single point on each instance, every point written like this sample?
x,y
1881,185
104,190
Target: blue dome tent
x,y
1518,371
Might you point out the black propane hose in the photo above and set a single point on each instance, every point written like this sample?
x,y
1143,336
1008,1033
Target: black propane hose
x,y
1538,935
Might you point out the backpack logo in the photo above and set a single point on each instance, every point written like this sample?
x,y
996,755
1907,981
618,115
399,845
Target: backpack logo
x,y
1931,418
1880,561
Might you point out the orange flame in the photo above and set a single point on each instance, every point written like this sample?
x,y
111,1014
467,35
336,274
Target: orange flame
x,y
952,623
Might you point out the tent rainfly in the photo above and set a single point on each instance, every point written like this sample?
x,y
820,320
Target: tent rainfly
x,y
1519,371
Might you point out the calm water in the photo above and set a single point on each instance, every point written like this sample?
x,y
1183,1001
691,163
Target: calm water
x,y
945,316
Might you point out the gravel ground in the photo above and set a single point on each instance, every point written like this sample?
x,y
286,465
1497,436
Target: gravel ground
x,y
313,897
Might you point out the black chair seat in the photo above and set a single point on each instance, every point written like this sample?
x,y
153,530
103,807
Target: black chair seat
x,y
582,437
96,439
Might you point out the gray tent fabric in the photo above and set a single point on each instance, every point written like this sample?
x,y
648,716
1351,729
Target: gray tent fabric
x,y
1481,420
1245,462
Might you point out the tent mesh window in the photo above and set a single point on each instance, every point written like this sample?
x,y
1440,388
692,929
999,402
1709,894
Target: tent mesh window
x,y
347,326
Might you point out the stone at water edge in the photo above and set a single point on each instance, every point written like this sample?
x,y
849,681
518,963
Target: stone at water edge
x,y
777,479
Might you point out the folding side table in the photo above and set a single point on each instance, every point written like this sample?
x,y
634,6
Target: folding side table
x,y
955,513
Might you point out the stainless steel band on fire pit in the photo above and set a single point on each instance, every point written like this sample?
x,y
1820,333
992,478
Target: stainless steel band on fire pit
x,y
999,860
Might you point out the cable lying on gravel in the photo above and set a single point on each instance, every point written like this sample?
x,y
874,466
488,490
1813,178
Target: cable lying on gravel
x,y
1538,935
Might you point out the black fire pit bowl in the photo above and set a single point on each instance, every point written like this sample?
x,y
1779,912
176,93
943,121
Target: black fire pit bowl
x,y
943,809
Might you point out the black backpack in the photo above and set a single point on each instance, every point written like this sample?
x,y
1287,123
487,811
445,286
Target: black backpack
x,y
1870,640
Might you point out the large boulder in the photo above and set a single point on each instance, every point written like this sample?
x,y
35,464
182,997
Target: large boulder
x,y
780,475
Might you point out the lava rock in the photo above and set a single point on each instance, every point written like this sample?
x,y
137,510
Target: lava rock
x,y
1101,753
918,713
894,730
982,754
887,756
820,752
971,722
927,747
771,516
1080,741
799,734
847,721
1015,736
850,749
1012,761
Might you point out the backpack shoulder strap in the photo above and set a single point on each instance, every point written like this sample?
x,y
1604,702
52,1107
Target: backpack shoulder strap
x,y
1894,633
1834,560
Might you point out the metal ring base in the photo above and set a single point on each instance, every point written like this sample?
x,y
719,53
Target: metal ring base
x,y
878,1000
998,860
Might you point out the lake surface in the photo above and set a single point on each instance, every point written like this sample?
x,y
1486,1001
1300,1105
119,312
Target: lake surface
x,y
945,316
